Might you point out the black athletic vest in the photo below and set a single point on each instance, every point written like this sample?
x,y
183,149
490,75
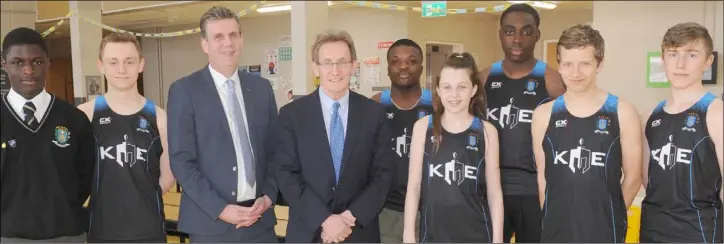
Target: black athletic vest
x,y
682,197
401,122
453,199
126,201
510,108
583,198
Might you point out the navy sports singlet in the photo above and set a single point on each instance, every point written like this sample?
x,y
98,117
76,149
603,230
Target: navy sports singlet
x,y
682,201
126,201
510,108
583,198
453,199
401,122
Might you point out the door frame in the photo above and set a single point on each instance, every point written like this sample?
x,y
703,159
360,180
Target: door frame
x,y
457,48
545,47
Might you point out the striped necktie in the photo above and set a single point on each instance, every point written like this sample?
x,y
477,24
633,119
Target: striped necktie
x,y
29,111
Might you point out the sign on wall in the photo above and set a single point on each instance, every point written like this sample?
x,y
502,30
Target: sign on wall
x,y
434,8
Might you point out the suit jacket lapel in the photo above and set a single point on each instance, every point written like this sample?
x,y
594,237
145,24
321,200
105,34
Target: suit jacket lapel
x,y
250,108
318,132
354,121
208,87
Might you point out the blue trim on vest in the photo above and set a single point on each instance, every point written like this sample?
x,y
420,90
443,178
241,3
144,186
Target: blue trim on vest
x,y
703,103
611,104
477,124
539,70
385,97
660,107
559,105
149,107
100,104
496,68
426,98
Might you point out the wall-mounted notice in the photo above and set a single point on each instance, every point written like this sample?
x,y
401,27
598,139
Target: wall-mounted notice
x,y
285,41
655,73
354,83
384,45
255,69
371,71
271,62
285,48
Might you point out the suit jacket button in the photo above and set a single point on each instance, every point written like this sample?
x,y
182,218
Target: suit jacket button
x,y
233,193
234,168
333,188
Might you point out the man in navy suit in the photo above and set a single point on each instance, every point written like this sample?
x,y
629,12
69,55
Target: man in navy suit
x,y
219,121
332,153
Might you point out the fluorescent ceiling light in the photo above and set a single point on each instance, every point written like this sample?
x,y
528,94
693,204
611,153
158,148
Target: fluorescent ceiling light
x,y
518,1
544,5
279,8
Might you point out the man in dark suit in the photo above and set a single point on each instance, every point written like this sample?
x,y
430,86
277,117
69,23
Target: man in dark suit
x,y
219,119
332,153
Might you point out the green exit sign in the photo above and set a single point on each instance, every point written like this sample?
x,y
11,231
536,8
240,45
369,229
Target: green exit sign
x,y
434,8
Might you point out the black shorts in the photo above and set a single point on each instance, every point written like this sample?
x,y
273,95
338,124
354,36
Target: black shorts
x,y
522,217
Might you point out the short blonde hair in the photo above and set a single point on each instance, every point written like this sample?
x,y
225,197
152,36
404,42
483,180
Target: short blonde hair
x,y
685,33
333,36
580,36
119,37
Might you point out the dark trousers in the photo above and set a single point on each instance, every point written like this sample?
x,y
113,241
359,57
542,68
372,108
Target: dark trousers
x,y
257,233
522,217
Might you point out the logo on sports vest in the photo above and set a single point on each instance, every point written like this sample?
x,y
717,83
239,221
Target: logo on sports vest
x,y
509,116
579,159
668,155
453,172
402,144
125,153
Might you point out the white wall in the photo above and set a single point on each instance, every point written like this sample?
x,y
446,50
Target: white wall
x,y
180,56
633,28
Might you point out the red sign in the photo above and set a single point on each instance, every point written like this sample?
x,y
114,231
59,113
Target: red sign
x,y
384,45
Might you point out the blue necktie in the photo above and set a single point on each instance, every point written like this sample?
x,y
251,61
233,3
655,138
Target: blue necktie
x,y
336,140
241,133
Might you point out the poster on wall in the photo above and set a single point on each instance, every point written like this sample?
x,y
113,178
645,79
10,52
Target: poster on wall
x,y
255,69
93,86
285,48
354,82
655,73
271,60
371,71
285,41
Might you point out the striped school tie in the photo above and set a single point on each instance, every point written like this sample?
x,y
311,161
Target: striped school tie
x,y
29,110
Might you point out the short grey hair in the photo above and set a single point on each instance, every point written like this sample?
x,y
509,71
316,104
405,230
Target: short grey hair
x,y
216,13
333,36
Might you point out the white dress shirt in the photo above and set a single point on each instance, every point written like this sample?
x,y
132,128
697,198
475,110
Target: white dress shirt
x,y
244,190
41,102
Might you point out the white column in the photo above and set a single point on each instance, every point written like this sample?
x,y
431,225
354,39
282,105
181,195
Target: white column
x,y
85,39
309,18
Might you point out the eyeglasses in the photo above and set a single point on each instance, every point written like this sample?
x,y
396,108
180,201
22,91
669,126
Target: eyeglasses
x,y
340,64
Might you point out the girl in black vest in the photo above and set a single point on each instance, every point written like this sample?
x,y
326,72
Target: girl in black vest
x,y
454,179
